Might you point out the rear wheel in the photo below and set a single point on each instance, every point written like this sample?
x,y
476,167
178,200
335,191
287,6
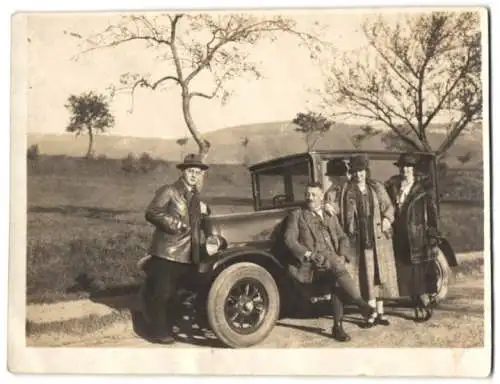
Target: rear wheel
x,y
243,305
442,274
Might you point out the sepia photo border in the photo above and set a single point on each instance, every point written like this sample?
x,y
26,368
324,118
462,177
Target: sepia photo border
x,y
437,362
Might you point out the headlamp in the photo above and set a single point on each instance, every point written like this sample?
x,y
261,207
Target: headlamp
x,y
213,244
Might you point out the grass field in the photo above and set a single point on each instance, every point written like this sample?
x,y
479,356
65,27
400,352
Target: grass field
x,y
86,227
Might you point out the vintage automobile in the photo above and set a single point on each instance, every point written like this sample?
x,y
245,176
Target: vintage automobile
x,y
243,285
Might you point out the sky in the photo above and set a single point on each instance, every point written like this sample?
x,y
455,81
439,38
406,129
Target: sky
x,y
53,75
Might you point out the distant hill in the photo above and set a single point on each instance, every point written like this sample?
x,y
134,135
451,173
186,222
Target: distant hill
x,y
266,140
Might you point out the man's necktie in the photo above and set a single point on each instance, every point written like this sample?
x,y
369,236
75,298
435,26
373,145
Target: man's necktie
x,y
194,213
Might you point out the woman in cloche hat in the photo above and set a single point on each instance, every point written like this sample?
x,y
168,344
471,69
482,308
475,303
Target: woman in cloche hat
x,y
366,214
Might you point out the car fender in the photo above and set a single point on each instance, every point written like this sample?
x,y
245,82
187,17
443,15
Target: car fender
x,y
235,254
446,248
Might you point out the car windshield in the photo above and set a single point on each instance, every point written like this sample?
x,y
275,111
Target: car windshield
x,y
283,184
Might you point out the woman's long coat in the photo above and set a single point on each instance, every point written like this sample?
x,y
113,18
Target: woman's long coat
x,y
383,255
415,236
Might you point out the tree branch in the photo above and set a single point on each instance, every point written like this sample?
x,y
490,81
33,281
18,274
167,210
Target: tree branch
x,y
387,120
392,65
118,42
206,61
201,94
144,83
446,94
465,119
381,107
173,48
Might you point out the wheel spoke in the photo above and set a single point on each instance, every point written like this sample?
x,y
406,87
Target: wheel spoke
x,y
246,305
235,316
260,307
255,293
232,298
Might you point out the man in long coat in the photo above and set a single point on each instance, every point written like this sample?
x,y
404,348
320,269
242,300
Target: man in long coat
x,y
366,214
415,233
176,212
314,236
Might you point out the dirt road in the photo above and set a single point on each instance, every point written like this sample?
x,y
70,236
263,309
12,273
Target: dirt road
x,y
458,322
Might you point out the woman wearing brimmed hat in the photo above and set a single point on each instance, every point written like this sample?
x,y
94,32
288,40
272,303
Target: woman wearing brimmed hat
x,y
415,224
366,214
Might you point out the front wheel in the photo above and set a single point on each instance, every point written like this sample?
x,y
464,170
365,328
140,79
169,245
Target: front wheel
x,y
442,274
243,305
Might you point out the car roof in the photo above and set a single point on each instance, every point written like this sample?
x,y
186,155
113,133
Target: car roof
x,y
347,153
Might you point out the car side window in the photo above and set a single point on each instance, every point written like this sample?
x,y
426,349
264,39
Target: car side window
x,y
283,185
272,186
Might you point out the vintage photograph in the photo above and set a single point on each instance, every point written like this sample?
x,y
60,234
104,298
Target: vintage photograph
x,y
275,180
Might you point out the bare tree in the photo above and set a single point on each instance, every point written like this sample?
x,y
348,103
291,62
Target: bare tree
x,y
312,125
192,45
90,114
465,158
421,67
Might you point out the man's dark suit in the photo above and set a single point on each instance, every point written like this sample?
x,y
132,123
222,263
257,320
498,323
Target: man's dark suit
x,y
324,238
307,231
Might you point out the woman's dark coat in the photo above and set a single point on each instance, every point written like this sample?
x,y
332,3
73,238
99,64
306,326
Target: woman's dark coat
x,y
415,236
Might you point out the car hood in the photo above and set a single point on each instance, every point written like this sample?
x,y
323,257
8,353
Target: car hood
x,y
241,229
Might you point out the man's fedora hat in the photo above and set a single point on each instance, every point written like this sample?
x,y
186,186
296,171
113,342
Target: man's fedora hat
x,y
336,167
407,159
359,163
192,160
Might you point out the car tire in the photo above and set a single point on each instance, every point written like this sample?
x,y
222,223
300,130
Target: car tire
x,y
243,291
443,275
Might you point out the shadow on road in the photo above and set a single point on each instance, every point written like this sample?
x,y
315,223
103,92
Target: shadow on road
x,y
185,330
187,326
106,295
305,328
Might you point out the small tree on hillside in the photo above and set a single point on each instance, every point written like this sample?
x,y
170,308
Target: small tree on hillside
x,y
244,143
89,114
465,158
312,125
33,152
182,143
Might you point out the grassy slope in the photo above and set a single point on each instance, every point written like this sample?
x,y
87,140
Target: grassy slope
x,y
86,228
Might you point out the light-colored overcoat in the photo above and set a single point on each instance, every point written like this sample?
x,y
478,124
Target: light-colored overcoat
x,y
375,271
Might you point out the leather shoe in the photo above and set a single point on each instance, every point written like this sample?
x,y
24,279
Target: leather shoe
x,y
339,334
423,314
368,312
163,339
382,320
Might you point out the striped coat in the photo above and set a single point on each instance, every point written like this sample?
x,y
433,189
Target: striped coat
x,y
374,270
